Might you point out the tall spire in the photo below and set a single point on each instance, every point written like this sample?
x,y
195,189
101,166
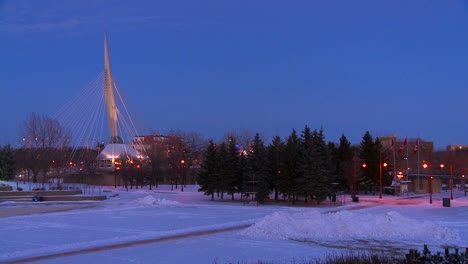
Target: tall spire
x,y
110,99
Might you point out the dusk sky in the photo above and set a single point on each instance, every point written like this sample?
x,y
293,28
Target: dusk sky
x,y
387,67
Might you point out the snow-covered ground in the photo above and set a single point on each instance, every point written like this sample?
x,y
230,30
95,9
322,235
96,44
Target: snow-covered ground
x,y
164,226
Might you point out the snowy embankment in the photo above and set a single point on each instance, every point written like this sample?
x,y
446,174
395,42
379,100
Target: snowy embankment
x,y
350,225
141,237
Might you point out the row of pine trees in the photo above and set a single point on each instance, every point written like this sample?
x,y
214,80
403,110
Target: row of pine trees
x,y
7,163
300,167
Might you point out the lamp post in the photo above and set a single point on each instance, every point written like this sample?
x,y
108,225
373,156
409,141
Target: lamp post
x,y
356,159
138,175
430,189
451,178
380,167
182,162
442,166
462,183
425,165
115,178
451,181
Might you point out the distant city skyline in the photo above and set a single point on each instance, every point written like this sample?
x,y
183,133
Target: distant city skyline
x,y
390,68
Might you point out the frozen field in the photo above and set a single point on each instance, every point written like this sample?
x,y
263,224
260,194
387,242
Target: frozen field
x,y
163,226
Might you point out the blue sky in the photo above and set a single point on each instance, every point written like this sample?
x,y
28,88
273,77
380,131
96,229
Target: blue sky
x,y
388,67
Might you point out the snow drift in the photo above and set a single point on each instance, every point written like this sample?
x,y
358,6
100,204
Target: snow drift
x,y
349,225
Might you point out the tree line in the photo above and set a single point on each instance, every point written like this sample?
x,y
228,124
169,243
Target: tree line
x,y
299,167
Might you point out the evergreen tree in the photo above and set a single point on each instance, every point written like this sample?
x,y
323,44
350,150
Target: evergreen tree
x,y
222,170
233,175
7,163
275,158
323,175
243,172
333,152
258,180
344,164
287,184
207,178
370,155
306,181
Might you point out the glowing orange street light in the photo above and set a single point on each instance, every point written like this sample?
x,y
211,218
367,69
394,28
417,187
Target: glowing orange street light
x,y
385,165
425,165
442,165
182,161
356,160
400,175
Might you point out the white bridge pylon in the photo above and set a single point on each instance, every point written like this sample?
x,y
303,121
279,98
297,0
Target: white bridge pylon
x,y
115,151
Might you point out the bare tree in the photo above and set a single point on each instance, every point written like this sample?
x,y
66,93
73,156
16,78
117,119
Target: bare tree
x,y
191,147
243,138
43,140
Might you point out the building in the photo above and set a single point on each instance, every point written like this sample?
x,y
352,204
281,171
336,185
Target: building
x,y
424,169
142,143
457,147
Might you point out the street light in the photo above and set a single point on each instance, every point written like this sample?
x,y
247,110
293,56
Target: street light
x,y
380,167
463,182
425,165
138,176
183,173
451,181
430,189
356,159
442,165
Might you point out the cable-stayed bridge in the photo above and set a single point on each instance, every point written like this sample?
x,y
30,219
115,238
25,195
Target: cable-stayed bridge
x,y
99,120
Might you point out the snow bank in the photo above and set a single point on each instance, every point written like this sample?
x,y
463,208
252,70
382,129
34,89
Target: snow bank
x,y
349,225
150,200
143,237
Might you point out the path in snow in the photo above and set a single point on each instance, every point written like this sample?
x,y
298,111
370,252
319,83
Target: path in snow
x,y
129,244
42,209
